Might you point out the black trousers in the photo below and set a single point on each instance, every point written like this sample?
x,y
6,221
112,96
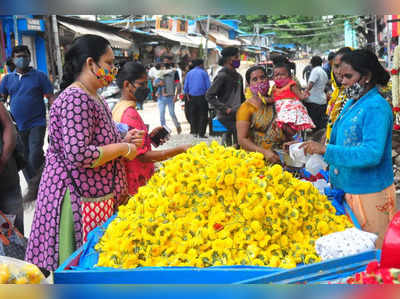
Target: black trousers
x,y
187,113
318,115
33,140
198,114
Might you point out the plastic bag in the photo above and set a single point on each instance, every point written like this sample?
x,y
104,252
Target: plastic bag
x,y
13,271
321,185
315,163
348,242
297,154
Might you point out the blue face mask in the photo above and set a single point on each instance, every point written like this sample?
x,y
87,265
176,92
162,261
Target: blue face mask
x,y
21,62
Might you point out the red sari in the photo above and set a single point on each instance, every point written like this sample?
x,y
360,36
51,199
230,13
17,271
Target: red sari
x,y
138,173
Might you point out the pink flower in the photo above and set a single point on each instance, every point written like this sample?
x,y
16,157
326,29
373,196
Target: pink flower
x,y
396,127
386,276
370,280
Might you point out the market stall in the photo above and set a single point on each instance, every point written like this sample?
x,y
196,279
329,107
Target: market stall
x,y
215,215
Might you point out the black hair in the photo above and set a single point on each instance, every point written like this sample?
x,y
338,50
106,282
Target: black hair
x,y
331,55
316,61
364,62
284,65
158,66
253,69
82,48
19,49
10,64
226,53
343,51
279,59
131,71
197,62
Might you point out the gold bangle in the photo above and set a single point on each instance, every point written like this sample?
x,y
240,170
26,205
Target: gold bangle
x,y
129,150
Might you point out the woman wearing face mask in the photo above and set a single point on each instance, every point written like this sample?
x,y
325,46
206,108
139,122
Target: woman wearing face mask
x,y
338,96
255,119
132,81
359,153
84,171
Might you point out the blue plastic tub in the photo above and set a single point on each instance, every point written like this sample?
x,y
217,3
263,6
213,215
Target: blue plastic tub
x,y
79,269
217,126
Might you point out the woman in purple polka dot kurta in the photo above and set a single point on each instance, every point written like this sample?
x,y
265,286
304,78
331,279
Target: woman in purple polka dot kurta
x,y
83,143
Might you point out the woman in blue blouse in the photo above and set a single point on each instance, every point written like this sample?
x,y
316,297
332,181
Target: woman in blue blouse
x,y
359,153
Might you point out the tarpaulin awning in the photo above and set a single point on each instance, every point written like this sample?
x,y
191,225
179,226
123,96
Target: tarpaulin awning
x,y
192,41
115,40
221,39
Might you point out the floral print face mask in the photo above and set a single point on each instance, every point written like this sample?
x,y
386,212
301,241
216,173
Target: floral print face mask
x,y
105,75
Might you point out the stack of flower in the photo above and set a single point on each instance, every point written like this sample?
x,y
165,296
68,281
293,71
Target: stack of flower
x,y
219,206
20,273
376,275
396,87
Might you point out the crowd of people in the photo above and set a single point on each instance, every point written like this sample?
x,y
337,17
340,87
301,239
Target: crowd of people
x,y
97,158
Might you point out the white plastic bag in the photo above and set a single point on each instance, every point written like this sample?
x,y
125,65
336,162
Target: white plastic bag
x,y
315,163
348,242
321,185
297,154
13,271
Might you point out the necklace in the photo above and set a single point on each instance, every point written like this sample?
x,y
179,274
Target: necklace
x,y
83,86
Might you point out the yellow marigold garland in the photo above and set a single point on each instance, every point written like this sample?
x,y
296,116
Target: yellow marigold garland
x,y
219,206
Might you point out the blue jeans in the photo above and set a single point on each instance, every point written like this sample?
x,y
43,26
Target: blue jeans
x,y
162,103
33,140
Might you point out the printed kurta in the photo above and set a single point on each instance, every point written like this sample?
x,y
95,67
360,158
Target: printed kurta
x,y
78,126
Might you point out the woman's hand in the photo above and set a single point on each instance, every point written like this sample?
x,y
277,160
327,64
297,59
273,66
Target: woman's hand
x,y
271,156
286,145
184,147
131,152
312,147
134,136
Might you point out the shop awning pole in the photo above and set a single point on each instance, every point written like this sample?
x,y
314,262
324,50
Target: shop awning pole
x,y
206,48
58,51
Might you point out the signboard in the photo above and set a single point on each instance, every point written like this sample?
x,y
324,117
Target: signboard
x,y
33,24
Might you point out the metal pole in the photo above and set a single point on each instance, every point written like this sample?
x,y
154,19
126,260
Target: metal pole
x,y
206,47
57,49
376,35
388,45
16,37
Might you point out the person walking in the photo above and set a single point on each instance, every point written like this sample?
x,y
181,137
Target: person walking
x,y
27,88
168,88
226,93
196,85
316,103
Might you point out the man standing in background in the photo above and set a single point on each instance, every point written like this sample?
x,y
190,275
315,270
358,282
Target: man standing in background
x,y
27,88
316,102
196,85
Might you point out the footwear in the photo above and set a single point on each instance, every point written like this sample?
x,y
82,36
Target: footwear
x,y
179,130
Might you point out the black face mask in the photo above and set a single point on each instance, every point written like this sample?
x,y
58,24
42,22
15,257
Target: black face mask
x,y
141,93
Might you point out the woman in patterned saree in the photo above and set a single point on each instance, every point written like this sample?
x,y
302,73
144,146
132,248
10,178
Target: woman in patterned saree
x,y
255,119
84,157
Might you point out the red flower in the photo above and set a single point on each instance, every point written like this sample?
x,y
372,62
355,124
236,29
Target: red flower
x,y
396,127
218,227
351,280
261,176
394,71
396,109
370,280
358,277
386,276
372,267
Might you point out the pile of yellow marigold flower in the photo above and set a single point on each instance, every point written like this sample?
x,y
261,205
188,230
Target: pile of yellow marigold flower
x,y
217,206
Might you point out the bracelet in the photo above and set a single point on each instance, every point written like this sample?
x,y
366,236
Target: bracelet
x,y
129,150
